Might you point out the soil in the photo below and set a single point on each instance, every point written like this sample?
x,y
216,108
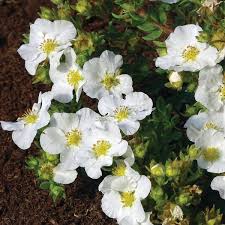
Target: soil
x,y
21,200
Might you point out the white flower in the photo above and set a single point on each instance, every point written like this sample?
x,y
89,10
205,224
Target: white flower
x,y
204,121
46,40
67,77
103,76
104,143
211,88
212,146
64,173
122,173
218,184
68,134
126,112
25,129
124,201
185,52
132,221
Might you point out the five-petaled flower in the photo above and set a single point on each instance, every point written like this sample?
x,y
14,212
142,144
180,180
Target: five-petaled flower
x,y
46,41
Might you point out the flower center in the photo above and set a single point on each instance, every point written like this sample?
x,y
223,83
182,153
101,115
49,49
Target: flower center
x,y
109,81
73,138
222,92
74,77
211,154
127,198
29,117
211,125
119,170
48,46
121,113
190,53
101,148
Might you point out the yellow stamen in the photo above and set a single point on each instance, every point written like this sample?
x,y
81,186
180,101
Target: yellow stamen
x,y
119,170
73,138
211,125
121,113
48,46
211,154
109,81
101,148
74,77
127,198
222,92
29,117
190,53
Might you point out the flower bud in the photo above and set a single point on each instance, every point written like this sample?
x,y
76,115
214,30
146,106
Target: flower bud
x,y
82,6
157,193
183,199
139,151
175,80
42,75
32,162
203,37
83,42
46,171
46,13
193,152
50,157
173,169
157,170
64,12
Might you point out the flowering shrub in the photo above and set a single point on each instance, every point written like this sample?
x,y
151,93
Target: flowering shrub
x,y
105,61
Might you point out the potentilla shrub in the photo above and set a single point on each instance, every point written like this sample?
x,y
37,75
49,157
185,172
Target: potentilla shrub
x,y
137,101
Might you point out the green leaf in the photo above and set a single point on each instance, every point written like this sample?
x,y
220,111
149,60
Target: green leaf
x,y
153,35
147,27
117,16
162,16
136,17
45,185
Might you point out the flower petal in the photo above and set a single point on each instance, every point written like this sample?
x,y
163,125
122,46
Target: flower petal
x,y
63,176
24,138
53,140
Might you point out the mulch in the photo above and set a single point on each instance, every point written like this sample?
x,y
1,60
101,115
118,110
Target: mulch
x,y
22,202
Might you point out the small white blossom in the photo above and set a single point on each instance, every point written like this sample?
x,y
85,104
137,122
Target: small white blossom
x,y
126,112
68,134
47,39
25,129
212,151
204,121
123,201
185,52
211,88
66,78
218,184
103,76
103,143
